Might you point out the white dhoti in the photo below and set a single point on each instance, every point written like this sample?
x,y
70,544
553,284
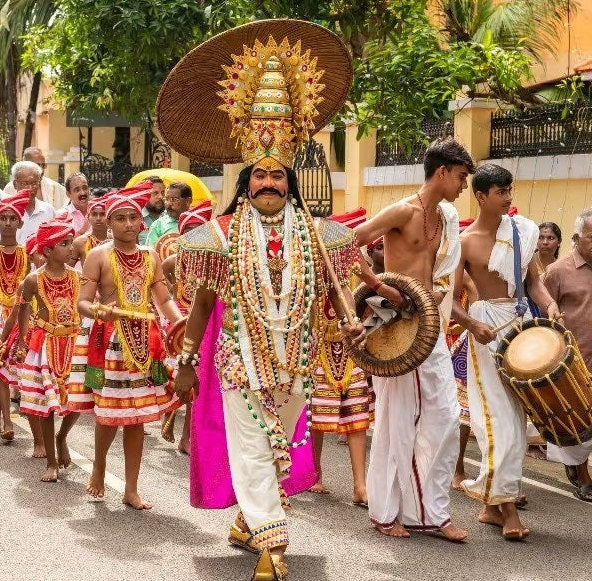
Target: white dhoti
x,y
569,455
497,420
252,465
415,444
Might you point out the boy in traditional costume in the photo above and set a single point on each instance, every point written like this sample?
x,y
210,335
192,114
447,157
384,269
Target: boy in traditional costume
x,y
415,440
262,257
98,233
497,252
48,348
341,402
13,269
183,292
118,369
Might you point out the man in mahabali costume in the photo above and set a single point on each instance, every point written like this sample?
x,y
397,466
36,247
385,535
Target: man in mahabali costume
x,y
262,258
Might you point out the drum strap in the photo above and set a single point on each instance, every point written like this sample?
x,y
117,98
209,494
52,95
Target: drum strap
x,y
522,305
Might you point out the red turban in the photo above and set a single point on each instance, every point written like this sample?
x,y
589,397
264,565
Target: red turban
x,y
134,198
201,214
31,244
350,219
463,224
373,245
101,202
53,232
16,203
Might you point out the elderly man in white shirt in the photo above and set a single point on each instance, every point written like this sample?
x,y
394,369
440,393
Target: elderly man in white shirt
x,y
26,175
50,191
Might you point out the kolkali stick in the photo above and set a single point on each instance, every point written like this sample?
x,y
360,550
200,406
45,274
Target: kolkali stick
x,y
123,313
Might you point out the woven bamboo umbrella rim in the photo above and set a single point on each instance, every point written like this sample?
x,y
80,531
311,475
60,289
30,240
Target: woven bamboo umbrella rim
x,y
427,331
187,114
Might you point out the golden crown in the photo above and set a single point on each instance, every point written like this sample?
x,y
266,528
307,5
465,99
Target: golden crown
x,y
270,94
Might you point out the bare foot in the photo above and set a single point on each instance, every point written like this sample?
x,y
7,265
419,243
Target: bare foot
x,y
133,499
167,430
360,497
96,485
397,530
39,450
457,479
63,453
513,530
7,430
184,446
51,474
537,452
453,534
491,515
318,488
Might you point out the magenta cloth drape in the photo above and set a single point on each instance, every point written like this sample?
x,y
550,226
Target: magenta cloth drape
x,y
211,484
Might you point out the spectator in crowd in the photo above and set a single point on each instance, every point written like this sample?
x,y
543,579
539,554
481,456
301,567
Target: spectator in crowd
x,y
154,208
547,246
27,175
49,191
78,192
177,200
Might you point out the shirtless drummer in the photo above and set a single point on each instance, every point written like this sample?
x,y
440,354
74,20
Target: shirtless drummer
x,y
497,420
416,434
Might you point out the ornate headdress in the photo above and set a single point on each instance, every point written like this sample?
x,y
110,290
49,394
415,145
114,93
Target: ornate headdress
x,y
270,104
270,95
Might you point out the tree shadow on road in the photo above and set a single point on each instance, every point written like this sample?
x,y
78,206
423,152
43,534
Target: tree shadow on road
x,y
240,567
137,535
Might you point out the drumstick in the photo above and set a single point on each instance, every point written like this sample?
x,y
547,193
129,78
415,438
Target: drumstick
x,y
330,270
502,327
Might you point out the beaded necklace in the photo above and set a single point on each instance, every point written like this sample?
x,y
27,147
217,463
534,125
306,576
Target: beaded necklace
x,y
60,297
13,268
91,242
133,275
425,221
247,300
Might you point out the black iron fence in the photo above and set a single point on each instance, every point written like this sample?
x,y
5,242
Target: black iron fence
x,y
314,178
546,130
388,153
102,172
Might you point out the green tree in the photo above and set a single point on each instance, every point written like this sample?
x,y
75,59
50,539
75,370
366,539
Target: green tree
x,y
114,56
531,26
16,18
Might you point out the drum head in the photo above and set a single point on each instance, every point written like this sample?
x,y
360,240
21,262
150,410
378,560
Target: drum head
x,y
174,338
534,352
400,346
167,245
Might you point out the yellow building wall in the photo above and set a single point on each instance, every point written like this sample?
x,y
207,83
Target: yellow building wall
x,y
558,201
374,198
574,46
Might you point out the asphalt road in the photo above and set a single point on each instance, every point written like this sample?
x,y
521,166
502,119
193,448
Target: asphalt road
x,y
50,532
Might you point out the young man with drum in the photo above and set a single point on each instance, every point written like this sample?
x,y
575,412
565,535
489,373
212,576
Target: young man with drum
x,y
569,281
489,255
416,436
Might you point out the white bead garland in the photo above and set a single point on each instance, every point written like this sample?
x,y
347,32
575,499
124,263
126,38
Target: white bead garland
x,y
243,261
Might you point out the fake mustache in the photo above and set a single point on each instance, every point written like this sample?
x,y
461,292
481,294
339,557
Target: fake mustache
x,y
268,191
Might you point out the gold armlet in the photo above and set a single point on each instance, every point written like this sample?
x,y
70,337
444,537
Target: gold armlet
x,y
85,279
